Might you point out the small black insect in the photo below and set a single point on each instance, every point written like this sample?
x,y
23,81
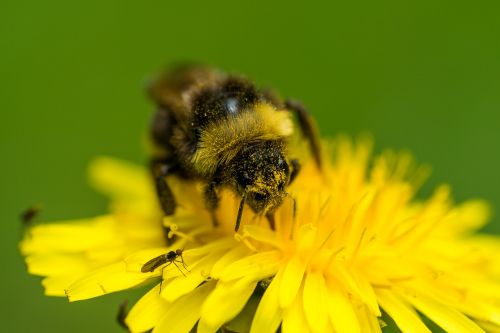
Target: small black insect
x,y
122,314
171,257
28,215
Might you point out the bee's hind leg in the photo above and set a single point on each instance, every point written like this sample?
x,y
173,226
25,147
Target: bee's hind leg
x,y
308,128
272,222
212,200
160,170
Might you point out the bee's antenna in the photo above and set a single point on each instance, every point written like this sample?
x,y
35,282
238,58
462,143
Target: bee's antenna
x,y
240,211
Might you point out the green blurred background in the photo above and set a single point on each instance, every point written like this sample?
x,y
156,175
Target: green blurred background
x,y
421,75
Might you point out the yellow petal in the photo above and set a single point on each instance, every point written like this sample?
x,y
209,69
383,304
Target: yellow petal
x,y
369,323
120,178
342,314
71,236
180,286
202,327
222,244
225,302
56,264
104,281
403,314
263,235
228,258
294,320
469,216
243,321
445,316
315,302
345,278
489,327
267,318
291,281
367,293
450,291
146,313
185,311
57,285
306,237
257,266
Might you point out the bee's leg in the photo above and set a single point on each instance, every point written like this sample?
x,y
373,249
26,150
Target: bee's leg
x,y
295,166
212,200
308,128
160,170
271,220
272,97
161,128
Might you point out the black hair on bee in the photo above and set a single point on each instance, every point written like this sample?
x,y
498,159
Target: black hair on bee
x,y
222,130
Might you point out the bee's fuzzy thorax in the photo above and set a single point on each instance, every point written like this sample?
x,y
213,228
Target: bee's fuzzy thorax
x,y
222,141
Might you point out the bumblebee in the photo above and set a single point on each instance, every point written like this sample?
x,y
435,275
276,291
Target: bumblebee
x,y
223,130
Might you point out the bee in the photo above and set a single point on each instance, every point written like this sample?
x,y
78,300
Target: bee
x,y
223,130
171,257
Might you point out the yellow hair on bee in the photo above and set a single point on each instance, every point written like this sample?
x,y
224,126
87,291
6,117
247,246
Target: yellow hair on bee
x,y
221,141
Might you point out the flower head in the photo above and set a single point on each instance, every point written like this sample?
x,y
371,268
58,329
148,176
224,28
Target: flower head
x,y
347,244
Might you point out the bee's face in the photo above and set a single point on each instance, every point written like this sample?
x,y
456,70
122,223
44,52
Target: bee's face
x,y
263,178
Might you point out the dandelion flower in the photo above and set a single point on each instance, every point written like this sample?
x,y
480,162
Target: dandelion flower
x,y
64,251
349,244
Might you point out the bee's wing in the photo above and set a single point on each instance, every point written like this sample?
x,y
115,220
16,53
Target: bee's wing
x,y
154,263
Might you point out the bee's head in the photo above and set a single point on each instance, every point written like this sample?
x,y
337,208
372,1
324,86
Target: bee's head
x,y
262,174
